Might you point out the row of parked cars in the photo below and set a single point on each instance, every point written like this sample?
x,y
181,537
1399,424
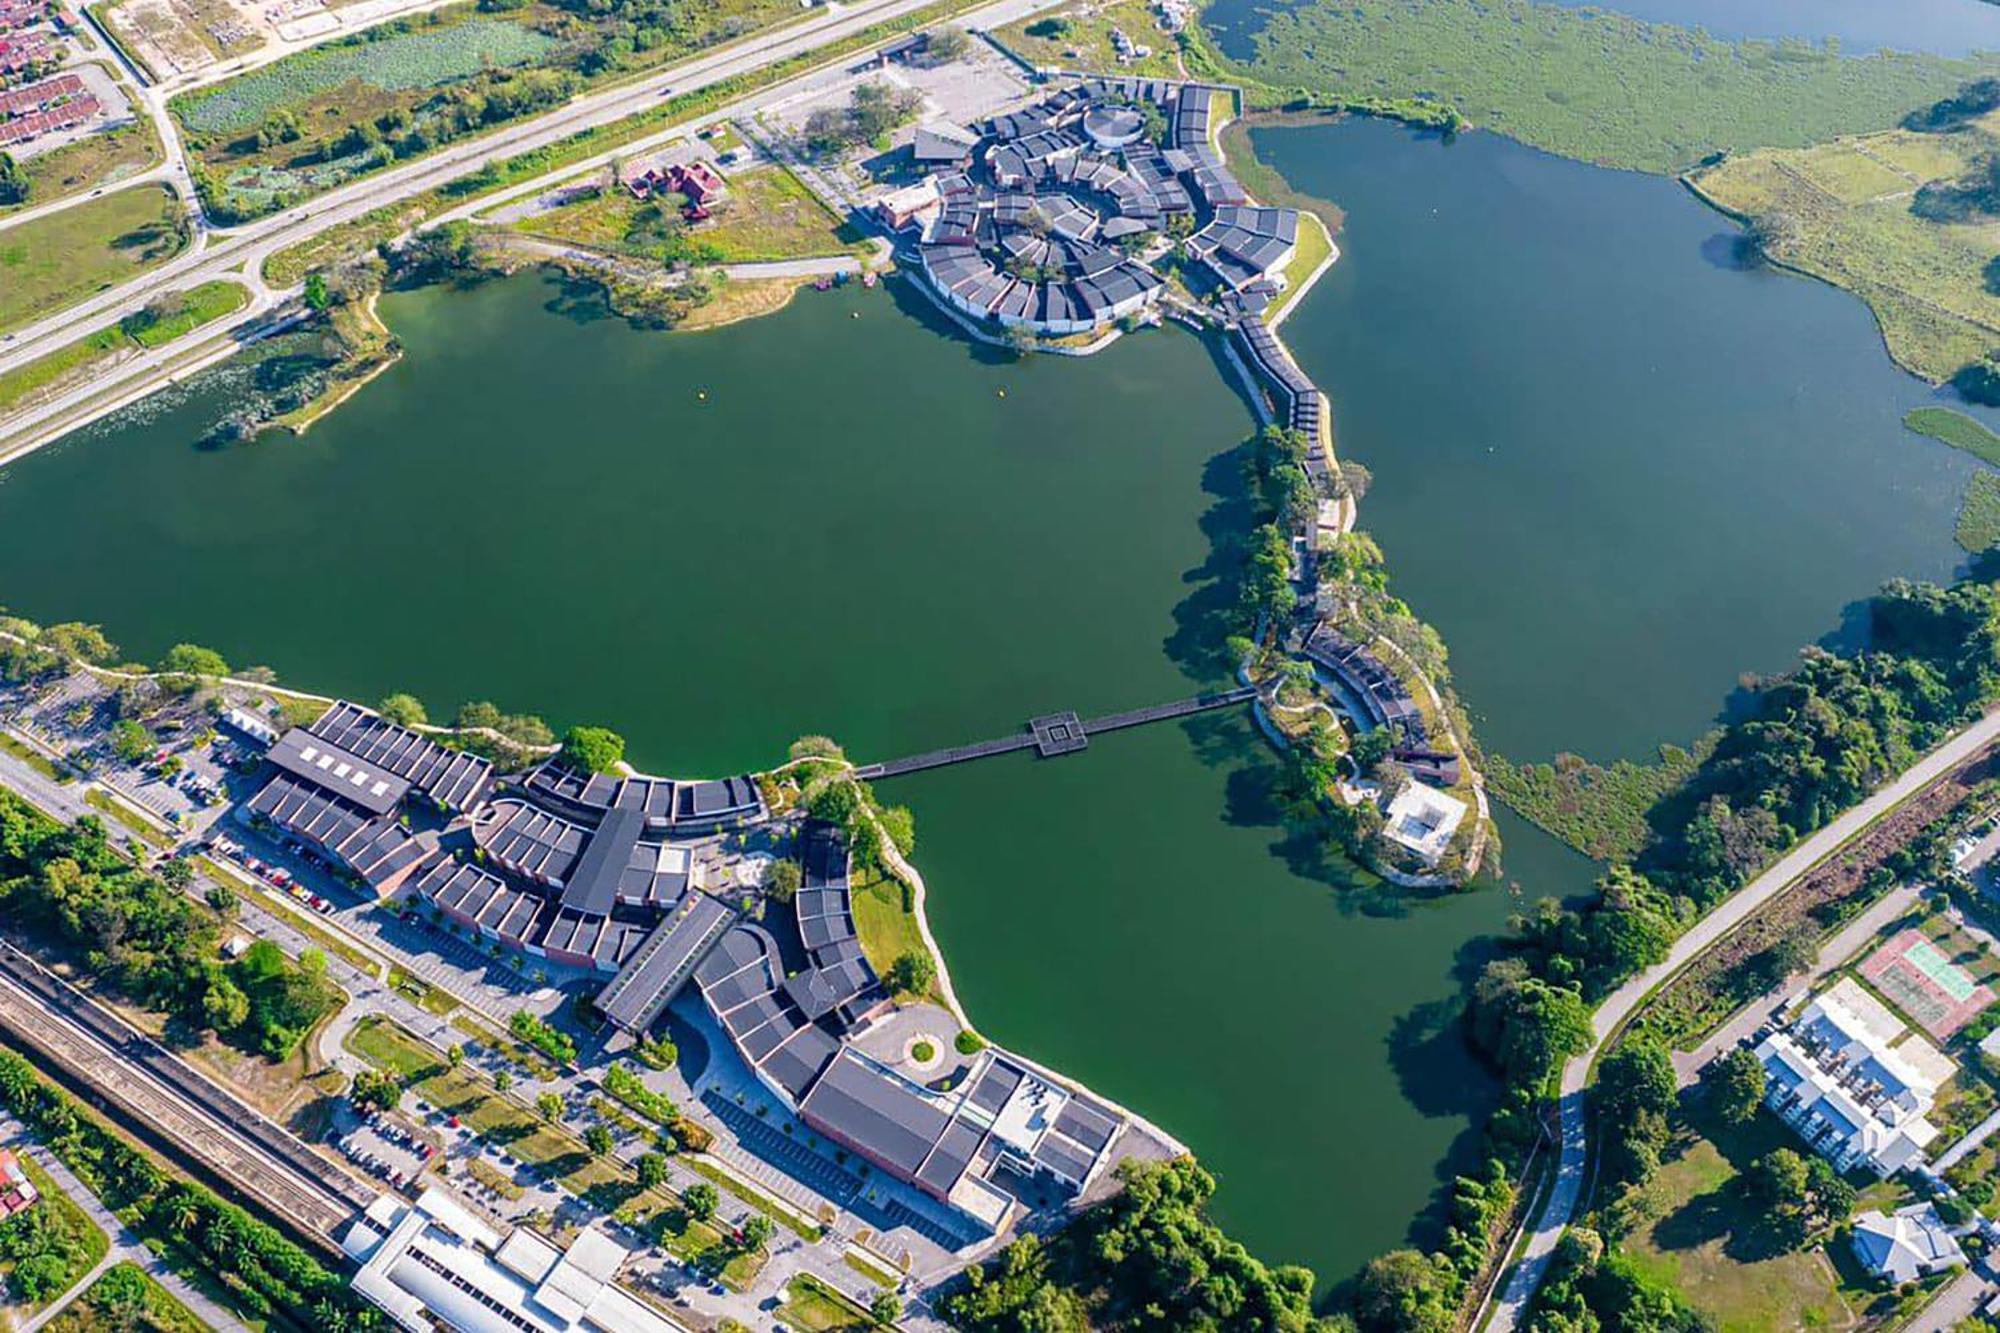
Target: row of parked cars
x,y
277,877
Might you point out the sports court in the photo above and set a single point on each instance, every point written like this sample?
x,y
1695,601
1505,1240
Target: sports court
x,y
1933,986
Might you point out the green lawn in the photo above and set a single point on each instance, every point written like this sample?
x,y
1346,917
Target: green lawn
x,y
888,928
767,215
1699,1231
126,1300
1957,430
1926,281
814,1307
1590,83
203,305
58,260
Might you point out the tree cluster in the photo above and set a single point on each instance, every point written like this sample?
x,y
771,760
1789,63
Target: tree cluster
x,y
269,1274
1149,1258
871,113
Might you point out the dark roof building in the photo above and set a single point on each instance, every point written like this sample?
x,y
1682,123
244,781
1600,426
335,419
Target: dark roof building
x,y
453,779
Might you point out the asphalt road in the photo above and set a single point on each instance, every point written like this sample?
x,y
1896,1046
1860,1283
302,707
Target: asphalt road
x,y
1623,1002
240,252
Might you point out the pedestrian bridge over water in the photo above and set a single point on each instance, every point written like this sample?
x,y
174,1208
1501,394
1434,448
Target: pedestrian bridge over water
x,y
1057,733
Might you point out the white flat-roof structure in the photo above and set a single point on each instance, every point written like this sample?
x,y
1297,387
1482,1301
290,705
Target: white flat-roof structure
x,y
1906,1245
1856,1100
1423,819
435,1262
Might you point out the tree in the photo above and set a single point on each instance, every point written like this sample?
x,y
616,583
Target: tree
x,y
220,897
912,973
502,1081
454,1055
1636,1078
1406,1291
1736,1086
405,710
944,45
598,1139
593,749
885,1308
15,187
316,294
188,659
757,1231
375,1090
652,1170
130,741
550,1104
225,1006
783,880
1544,1026
1799,1196
79,643
700,1201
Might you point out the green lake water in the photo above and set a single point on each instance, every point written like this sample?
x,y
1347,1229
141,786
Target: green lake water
x,y
855,532
1615,468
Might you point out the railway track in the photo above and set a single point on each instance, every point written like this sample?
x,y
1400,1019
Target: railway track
x,y
146,1081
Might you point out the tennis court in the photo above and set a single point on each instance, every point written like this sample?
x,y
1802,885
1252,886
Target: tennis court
x,y
1916,974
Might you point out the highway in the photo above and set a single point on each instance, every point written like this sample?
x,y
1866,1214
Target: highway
x,y
1611,1016
240,252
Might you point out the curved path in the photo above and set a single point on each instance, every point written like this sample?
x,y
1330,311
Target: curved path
x,y
1622,1003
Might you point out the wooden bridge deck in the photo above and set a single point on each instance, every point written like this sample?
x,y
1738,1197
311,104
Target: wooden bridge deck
x,y
1071,732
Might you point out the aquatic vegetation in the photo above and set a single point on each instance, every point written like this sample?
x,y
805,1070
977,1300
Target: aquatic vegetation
x,y
421,59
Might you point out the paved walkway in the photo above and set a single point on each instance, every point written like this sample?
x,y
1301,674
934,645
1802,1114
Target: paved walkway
x,y
1533,1263
126,1247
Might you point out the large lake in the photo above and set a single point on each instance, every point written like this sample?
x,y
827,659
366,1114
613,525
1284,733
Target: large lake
x,y
1614,472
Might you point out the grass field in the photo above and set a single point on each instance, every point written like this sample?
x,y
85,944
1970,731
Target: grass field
x,y
1085,43
1700,1231
95,160
1926,281
48,374
888,928
1957,430
126,1300
767,215
814,1308
318,118
54,261
1589,83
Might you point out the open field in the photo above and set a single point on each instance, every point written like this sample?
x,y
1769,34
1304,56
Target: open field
x,y
768,214
1926,281
811,1307
96,160
318,118
1697,1228
1957,430
53,261
886,923
1589,83
1978,526
126,1300
1082,39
